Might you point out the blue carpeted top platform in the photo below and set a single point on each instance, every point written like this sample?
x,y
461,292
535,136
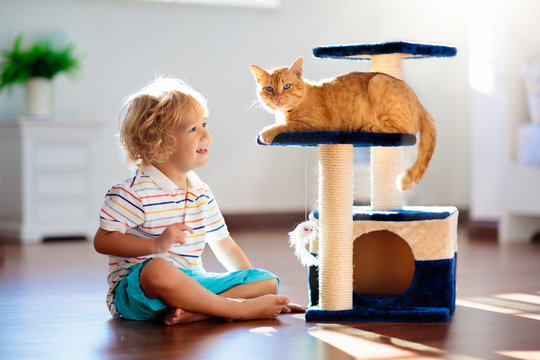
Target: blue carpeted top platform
x,y
357,139
363,51
408,213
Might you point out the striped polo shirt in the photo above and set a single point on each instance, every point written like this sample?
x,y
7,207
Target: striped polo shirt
x,y
144,205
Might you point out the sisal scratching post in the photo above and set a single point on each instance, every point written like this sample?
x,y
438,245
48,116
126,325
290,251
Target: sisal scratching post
x,y
388,64
386,162
335,227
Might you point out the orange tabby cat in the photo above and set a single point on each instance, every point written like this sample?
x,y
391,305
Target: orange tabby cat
x,y
370,102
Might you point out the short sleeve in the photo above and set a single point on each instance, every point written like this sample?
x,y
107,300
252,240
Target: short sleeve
x,y
121,210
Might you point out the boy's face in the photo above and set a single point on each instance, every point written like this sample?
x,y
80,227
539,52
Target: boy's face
x,y
192,142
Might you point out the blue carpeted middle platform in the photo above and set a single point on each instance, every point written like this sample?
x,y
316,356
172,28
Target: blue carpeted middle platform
x,y
357,139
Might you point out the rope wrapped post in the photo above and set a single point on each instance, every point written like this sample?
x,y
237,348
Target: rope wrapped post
x,y
388,64
335,227
386,162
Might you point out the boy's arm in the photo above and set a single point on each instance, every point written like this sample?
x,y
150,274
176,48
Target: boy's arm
x,y
230,255
123,245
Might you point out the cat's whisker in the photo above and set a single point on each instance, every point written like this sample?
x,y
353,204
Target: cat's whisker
x,y
255,105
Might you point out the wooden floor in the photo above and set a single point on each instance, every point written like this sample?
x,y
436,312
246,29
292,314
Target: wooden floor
x,y
52,306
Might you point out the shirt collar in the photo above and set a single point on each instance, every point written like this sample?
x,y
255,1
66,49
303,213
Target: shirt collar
x,y
167,184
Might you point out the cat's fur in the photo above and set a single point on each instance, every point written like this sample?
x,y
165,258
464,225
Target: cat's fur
x,y
369,102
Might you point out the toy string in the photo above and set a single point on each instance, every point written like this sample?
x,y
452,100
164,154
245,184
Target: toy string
x,y
305,185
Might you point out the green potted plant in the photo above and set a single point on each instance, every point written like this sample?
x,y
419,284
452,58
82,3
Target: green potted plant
x,y
35,67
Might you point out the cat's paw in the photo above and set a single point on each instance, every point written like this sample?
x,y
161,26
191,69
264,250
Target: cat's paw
x,y
267,137
371,129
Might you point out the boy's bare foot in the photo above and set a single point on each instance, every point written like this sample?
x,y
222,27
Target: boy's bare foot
x,y
262,307
180,316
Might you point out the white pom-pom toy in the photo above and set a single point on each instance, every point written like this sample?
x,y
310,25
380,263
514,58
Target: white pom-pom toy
x,y
301,236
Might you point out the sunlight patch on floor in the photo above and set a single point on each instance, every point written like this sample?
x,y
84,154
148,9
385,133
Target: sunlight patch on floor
x,y
526,298
522,305
264,330
368,345
521,355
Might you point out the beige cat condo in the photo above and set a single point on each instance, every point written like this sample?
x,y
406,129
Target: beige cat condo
x,y
387,261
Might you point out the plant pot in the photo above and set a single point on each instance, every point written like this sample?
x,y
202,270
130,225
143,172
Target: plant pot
x,y
38,96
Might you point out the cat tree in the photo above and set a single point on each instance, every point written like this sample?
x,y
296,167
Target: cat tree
x,y
385,262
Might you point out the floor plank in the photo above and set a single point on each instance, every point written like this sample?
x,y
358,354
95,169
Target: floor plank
x,y
52,305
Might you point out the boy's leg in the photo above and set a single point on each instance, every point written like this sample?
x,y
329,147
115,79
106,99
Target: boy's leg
x,y
161,279
252,289
259,288
244,291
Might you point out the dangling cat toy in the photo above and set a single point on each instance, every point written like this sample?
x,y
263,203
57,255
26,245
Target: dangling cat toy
x,y
370,102
301,236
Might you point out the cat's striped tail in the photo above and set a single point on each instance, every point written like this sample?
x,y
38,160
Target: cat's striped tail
x,y
426,147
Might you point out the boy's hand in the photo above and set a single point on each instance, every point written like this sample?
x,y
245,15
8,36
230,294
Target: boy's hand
x,y
173,234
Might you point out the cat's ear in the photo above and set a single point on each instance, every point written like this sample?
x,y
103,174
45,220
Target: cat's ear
x,y
259,74
296,67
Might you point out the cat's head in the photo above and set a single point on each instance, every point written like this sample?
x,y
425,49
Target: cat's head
x,y
281,88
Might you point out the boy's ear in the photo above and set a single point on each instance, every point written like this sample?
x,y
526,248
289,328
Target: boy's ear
x,y
158,153
259,74
296,67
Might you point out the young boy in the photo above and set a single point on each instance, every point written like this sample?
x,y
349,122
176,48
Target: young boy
x,y
154,226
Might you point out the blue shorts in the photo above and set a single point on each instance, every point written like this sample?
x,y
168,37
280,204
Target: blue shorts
x,y
132,303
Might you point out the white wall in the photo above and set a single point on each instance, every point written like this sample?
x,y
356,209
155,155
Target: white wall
x,y
503,34
441,85
126,44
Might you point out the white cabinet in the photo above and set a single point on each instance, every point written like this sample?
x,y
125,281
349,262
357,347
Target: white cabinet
x,y
521,218
47,177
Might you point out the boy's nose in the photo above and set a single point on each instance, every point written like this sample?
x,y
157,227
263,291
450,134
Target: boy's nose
x,y
206,132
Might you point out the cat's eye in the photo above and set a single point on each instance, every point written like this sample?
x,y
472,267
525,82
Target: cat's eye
x,y
287,86
269,88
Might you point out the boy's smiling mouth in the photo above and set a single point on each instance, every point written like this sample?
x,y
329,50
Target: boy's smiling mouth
x,y
202,150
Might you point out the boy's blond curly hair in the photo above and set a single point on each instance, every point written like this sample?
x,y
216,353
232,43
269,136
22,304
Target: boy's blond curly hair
x,y
148,116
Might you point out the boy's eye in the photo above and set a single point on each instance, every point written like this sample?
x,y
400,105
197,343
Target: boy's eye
x,y
287,86
193,129
269,88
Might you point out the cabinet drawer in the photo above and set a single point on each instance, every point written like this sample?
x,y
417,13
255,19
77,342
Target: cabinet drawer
x,y
48,184
49,155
